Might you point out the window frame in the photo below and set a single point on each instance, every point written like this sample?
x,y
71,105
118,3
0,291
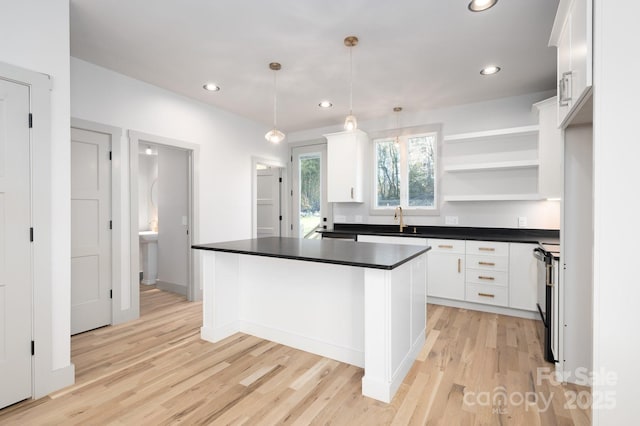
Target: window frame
x,y
404,134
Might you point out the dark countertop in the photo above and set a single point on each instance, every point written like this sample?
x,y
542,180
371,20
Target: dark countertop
x,y
509,235
338,252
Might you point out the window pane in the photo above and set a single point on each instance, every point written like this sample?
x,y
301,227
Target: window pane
x,y
421,162
309,196
388,175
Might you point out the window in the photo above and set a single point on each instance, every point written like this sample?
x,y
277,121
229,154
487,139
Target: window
x,y
405,172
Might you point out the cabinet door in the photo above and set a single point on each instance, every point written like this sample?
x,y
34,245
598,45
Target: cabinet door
x,y
580,51
523,277
445,275
564,70
345,152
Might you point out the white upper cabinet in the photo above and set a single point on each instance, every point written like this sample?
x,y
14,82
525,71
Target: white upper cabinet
x,y
550,145
345,164
572,35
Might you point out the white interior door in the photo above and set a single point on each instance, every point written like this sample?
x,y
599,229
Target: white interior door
x,y
90,230
268,216
309,191
15,245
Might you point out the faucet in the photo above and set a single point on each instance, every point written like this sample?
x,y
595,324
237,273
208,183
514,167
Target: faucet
x,y
398,212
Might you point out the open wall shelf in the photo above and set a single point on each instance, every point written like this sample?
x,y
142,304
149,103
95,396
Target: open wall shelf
x,y
493,197
511,131
503,165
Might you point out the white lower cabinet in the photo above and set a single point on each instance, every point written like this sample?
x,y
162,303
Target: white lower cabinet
x,y
485,272
446,269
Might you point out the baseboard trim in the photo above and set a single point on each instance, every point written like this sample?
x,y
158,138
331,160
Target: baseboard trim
x,y
484,308
172,287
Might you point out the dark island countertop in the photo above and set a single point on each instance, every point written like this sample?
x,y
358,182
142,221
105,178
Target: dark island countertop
x,y
337,252
509,235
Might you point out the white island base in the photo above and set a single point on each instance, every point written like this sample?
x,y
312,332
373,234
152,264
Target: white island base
x,y
371,318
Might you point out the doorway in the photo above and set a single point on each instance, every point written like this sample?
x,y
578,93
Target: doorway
x,y
268,205
309,191
163,215
268,208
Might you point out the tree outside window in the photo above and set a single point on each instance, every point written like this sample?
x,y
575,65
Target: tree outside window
x,y
406,172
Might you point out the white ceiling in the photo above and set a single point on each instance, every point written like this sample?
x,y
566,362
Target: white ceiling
x,y
418,54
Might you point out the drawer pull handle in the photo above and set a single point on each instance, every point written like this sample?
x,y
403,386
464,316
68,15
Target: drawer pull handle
x,y
486,295
459,265
482,277
487,263
486,249
352,193
444,246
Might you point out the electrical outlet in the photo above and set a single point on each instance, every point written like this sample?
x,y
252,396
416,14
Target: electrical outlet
x,y
522,222
451,220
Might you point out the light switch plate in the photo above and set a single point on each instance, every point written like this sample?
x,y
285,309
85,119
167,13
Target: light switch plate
x,y
451,220
522,222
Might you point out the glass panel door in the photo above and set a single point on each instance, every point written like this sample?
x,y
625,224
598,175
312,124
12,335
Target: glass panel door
x,y
310,212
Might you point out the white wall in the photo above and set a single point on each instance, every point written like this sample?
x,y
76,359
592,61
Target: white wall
x,y
173,200
35,35
616,207
227,143
495,114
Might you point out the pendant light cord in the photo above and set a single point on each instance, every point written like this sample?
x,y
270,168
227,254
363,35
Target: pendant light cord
x,y
350,80
275,99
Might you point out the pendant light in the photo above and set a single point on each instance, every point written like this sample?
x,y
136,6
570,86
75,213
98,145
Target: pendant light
x,y
274,135
397,140
350,123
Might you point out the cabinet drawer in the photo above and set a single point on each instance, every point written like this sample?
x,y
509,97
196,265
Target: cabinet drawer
x,y
488,263
446,246
488,248
487,294
480,276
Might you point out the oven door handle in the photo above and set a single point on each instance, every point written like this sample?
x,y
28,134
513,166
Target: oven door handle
x,y
540,254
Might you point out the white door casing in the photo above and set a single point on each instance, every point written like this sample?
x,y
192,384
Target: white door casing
x,y
268,182
15,244
90,230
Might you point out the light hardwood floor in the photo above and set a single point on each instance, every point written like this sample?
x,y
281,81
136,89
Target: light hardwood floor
x,y
158,371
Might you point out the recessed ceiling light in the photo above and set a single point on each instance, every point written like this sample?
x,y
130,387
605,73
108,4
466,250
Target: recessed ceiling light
x,y
212,87
325,104
490,70
480,5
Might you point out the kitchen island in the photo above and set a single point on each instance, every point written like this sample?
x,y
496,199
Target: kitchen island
x,y
359,303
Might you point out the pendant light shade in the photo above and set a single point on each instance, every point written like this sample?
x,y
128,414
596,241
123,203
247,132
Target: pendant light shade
x,y
350,123
274,135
